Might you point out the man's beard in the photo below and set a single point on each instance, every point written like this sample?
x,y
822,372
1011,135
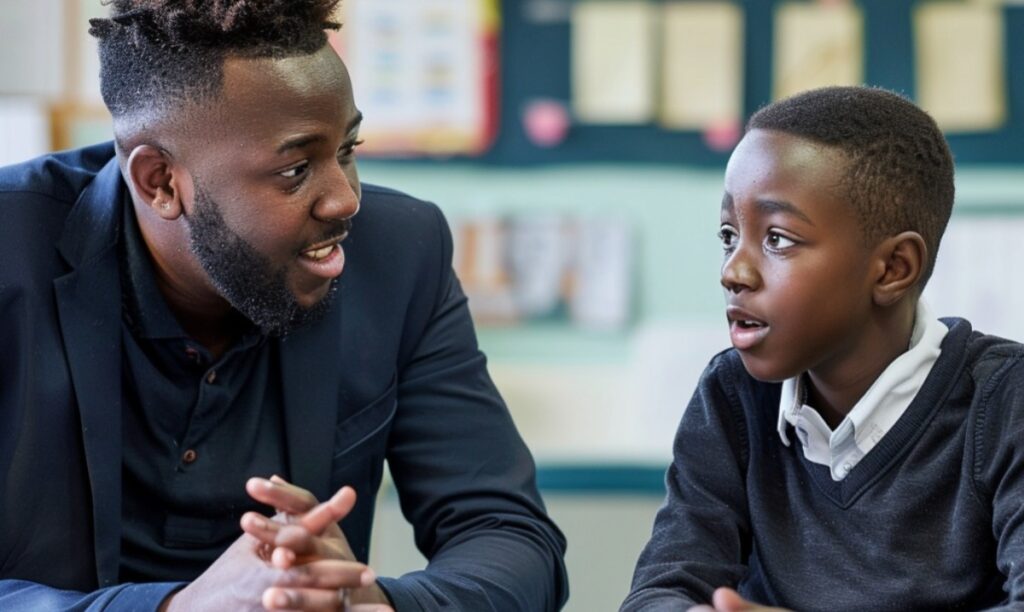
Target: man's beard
x,y
245,277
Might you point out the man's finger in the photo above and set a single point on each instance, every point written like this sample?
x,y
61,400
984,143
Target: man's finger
x,y
331,511
260,527
309,600
328,574
295,545
277,598
281,495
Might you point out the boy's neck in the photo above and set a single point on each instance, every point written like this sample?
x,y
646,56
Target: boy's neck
x,y
834,393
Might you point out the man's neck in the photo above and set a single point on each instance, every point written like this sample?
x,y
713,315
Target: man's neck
x,y
203,314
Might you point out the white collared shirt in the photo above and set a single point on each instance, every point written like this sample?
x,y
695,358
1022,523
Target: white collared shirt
x,y
876,411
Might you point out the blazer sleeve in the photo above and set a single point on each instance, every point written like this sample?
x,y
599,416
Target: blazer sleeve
x,y
465,479
701,534
20,595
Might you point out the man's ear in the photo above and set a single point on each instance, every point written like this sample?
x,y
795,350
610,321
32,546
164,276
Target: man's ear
x,y
902,259
154,180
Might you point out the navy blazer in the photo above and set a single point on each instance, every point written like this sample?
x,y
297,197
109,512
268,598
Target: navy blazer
x,y
393,372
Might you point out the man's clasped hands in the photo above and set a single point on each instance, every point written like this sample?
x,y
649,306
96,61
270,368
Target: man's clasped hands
x,y
297,560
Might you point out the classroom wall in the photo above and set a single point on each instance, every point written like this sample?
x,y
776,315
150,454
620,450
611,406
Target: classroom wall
x,y
598,408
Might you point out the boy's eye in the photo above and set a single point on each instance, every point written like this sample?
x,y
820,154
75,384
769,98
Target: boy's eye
x,y
728,236
777,241
295,172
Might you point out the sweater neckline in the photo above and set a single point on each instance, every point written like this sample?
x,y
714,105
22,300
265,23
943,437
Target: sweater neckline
x,y
894,446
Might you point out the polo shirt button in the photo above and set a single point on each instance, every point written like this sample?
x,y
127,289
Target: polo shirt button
x,y
211,377
190,456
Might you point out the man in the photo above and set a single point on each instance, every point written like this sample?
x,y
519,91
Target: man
x,y
194,305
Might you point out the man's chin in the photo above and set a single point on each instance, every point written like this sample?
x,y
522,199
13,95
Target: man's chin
x,y
311,300
300,315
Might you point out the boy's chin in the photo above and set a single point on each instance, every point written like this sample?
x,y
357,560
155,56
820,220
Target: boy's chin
x,y
765,370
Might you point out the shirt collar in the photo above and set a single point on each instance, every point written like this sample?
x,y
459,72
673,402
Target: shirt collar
x,y
146,312
925,346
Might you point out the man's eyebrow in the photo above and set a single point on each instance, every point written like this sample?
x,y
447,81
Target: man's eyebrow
x,y
777,206
304,140
298,142
355,122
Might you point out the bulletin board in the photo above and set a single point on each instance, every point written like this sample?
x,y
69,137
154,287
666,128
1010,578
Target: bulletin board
x,y
425,73
536,65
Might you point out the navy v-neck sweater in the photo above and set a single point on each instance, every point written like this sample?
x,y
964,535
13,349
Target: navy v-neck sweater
x,y
931,519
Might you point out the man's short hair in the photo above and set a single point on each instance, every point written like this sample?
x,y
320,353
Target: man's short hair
x,y
899,173
157,56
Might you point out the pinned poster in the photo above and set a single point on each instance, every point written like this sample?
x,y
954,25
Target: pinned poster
x,y
961,77
817,45
702,65
425,73
613,62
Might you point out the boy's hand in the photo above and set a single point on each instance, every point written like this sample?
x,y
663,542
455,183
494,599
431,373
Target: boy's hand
x,y
305,539
728,600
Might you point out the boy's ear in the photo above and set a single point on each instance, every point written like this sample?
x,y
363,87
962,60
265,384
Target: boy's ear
x,y
154,179
902,260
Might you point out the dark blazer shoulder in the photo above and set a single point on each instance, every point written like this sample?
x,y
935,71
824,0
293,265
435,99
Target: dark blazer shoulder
x,y
393,211
59,176
401,231
36,198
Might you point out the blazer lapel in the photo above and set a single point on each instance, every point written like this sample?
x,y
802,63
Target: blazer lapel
x,y
309,359
89,307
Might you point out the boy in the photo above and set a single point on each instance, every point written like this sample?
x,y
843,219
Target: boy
x,y
851,452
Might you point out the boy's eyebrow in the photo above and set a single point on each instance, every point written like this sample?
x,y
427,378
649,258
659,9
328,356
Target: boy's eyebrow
x,y
727,205
777,206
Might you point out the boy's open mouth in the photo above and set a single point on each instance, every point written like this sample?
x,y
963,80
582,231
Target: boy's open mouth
x,y
745,330
749,324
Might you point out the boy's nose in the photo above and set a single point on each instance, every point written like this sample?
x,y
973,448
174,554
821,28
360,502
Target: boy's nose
x,y
738,274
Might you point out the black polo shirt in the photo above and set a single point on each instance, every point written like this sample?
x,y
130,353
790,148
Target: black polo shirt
x,y
195,429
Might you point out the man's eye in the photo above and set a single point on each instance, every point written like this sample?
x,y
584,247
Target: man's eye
x,y
777,241
295,172
348,149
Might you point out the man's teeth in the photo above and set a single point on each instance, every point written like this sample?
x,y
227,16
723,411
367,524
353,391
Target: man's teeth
x,y
319,253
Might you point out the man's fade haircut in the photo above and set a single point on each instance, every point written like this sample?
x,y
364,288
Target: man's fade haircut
x,y
899,173
157,56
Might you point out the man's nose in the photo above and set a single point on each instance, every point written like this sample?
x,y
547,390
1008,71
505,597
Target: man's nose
x,y
339,199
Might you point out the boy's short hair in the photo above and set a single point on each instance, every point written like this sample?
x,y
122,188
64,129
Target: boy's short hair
x,y
159,55
899,175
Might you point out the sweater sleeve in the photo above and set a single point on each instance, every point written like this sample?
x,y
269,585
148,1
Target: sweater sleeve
x,y
701,535
999,471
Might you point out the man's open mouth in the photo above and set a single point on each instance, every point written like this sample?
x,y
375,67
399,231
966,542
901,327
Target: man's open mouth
x,y
321,253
